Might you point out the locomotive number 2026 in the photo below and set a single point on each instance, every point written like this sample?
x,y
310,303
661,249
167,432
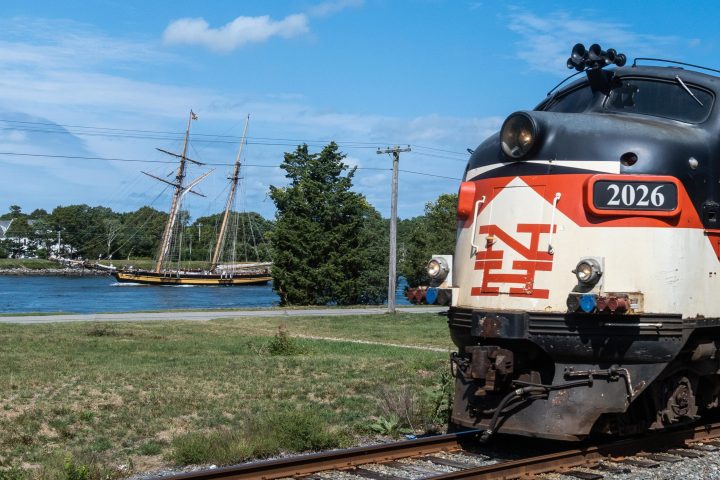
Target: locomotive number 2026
x,y
624,195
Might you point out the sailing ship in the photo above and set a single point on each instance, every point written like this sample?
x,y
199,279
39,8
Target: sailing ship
x,y
216,273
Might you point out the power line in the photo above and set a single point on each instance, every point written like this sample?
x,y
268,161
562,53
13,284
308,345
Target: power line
x,y
169,135
145,134
431,175
217,164
464,154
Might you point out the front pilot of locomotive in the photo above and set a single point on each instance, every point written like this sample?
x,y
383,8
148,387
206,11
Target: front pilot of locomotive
x,y
584,295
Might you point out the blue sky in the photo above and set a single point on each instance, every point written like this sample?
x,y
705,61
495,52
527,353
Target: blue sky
x,y
439,75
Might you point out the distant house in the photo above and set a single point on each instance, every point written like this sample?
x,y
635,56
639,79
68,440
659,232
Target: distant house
x,y
4,226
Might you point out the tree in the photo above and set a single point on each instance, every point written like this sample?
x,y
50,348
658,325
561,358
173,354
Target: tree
x,y
325,249
141,233
427,235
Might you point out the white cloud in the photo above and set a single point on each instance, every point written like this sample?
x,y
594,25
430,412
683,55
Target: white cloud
x,y
239,32
334,6
547,39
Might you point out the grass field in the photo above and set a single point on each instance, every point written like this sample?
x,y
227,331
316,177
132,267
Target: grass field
x,y
102,401
29,263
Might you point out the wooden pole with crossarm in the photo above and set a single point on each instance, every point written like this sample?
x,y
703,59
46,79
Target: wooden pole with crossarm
x,y
392,274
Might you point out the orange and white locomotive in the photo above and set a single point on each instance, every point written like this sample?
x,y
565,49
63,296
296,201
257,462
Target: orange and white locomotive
x,y
585,294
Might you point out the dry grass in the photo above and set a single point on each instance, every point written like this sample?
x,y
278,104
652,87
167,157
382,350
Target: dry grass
x,y
139,396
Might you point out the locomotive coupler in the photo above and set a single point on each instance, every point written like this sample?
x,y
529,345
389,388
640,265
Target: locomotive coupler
x,y
491,364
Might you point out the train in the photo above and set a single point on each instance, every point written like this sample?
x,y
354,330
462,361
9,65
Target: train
x,y
583,293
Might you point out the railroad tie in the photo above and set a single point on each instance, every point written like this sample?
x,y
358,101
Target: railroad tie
x,y
685,453
703,448
372,475
583,475
661,457
638,463
447,462
411,468
613,469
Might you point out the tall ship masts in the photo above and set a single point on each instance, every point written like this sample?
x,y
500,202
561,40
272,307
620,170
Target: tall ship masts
x,y
161,274
175,206
219,246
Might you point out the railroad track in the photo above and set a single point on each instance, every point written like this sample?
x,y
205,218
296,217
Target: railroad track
x,y
454,456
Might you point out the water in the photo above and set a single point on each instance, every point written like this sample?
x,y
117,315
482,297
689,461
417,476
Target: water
x,y
97,294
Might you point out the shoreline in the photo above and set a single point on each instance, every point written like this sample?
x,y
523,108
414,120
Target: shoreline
x,y
52,272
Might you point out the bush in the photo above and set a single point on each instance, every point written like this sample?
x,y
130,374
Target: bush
x,y
75,472
404,409
284,344
262,436
13,473
222,447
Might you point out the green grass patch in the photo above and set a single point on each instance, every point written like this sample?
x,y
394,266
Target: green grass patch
x,y
402,328
28,263
131,397
262,436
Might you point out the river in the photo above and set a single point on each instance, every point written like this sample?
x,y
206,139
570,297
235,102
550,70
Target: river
x,y
97,294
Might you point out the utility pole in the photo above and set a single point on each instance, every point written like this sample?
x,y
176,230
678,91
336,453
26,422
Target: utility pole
x,y
392,275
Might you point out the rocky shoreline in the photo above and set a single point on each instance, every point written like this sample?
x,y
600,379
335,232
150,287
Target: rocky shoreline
x,y
54,272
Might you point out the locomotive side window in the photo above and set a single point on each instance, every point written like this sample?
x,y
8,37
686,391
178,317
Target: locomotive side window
x,y
676,101
576,101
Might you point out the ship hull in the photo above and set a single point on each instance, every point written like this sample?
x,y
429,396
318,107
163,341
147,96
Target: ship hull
x,y
182,278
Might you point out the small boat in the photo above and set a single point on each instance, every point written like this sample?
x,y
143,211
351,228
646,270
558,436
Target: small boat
x,y
256,273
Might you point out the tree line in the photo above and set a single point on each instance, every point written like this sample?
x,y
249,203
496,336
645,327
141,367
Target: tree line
x,y
328,244
94,233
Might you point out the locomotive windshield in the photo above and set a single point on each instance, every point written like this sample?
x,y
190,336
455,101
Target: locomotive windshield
x,y
575,101
675,100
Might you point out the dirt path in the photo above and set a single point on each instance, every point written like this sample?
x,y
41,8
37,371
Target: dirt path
x,y
203,316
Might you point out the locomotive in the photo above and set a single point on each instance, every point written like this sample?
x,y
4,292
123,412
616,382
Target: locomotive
x,y
585,296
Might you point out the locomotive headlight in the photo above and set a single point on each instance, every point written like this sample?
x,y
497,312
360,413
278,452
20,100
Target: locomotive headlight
x,y
518,135
437,269
588,272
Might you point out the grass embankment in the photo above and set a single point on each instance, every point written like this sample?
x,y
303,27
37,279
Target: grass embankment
x,y
28,263
101,401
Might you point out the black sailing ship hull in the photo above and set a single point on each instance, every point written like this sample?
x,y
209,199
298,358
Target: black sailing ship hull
x,y
148,277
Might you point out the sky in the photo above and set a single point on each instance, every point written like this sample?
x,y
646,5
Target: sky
x,y
84,82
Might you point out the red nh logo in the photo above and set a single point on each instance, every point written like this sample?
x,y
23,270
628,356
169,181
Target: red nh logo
x,y
490,261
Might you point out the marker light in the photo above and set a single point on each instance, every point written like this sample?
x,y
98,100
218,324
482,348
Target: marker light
x,y
587,303
518,135
431,295
602,303
588,272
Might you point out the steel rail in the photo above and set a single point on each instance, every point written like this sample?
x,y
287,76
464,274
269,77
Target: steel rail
x,y
354,457
584,456
339,459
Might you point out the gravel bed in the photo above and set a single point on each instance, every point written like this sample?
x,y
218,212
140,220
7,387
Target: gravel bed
x,y
706,467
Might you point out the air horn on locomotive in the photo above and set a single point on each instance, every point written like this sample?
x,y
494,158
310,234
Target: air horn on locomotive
x,y
594,57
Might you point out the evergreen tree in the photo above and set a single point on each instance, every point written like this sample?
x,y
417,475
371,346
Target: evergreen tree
x,y
326,247
427,235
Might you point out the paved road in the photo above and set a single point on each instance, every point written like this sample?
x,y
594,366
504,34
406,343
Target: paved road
x,y
202,316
